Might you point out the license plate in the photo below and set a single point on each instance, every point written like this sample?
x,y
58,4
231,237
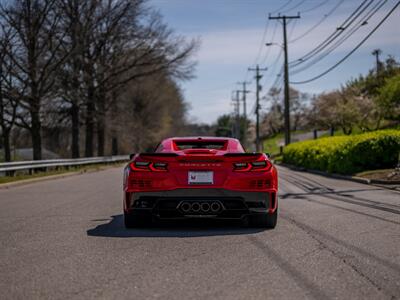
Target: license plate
x,y
200,177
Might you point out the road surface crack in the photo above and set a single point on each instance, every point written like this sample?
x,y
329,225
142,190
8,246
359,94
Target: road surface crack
x,y
338,255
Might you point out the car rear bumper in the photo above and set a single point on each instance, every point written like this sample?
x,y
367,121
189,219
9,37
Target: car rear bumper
x,y
173,204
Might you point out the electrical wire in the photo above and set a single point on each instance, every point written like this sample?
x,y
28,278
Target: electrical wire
x,y
349,33
312,28
352,51
269,48
277,59
314,7
282,7
294,7
262,42
349,20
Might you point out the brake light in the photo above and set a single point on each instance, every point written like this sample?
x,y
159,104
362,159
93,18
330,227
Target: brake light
x,y
253,166
241,167
148,166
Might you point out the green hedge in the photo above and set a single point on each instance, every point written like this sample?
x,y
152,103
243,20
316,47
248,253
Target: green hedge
x,y
346,154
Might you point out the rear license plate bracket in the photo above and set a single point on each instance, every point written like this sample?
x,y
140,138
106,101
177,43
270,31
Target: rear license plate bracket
x,y
200,177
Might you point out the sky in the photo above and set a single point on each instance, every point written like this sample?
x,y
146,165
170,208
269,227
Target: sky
x,y
233,34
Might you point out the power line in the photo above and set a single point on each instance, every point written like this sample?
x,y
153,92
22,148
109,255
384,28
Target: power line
x,y
269,49
351,31
339,30
262,42
352,51
314,7
311,29
278,57
282,7
294,7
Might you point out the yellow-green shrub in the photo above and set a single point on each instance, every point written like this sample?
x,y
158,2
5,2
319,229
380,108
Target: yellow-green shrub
x,y
346,154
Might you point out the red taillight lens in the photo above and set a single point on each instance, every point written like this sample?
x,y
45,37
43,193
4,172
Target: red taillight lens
x,y
241,167
148,166
253,166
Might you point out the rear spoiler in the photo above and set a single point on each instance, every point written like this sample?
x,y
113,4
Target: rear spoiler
x,y
154,154
242,154
159,154
171,154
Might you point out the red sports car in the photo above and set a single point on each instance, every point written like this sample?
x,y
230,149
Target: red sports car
x,y
200,177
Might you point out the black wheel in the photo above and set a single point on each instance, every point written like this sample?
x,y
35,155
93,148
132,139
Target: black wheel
x,y
135,221
264,220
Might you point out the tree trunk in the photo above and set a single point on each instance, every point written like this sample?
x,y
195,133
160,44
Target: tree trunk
x,y
114,146
100,135
6,144
101,122
89,123
36,135
75,130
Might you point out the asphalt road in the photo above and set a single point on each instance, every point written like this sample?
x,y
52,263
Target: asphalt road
x,y
64,239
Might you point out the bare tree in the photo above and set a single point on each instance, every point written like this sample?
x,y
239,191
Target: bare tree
x,y
77,23
71,61
37,41
128,43
8,104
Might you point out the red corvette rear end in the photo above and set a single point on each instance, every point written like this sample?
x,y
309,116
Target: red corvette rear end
x,y
201,177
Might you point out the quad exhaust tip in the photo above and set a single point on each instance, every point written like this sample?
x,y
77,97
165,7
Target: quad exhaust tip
x,y
186,207
205,207
215,207
196,207
200,207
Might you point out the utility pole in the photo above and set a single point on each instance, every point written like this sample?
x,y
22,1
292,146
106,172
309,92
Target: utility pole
x,y
236,103
244,91
377,52
284,19
258,88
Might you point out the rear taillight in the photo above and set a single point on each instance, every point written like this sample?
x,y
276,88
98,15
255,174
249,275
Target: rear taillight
x,y
263,165
148,166
241,167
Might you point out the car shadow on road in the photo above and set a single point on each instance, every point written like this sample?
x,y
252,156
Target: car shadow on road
x,y
191,228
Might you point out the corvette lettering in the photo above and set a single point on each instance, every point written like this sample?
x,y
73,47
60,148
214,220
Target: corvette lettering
x,y
200,165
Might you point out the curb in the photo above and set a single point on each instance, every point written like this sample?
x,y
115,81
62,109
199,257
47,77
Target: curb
x,y
338,176
22,182
380,181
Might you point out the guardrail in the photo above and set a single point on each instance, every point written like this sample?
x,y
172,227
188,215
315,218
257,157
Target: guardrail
x,y
10,168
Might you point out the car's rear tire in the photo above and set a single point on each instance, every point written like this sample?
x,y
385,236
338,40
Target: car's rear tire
x,y
136,221
264,220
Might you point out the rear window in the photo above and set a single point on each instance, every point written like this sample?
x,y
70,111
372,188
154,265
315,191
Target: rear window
x,y
183,145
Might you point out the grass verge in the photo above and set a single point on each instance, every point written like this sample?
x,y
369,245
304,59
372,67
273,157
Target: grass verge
x,y
385,174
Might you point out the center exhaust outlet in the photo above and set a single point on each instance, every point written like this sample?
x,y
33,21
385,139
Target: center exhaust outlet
x,y
205,207
215,207
196,207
